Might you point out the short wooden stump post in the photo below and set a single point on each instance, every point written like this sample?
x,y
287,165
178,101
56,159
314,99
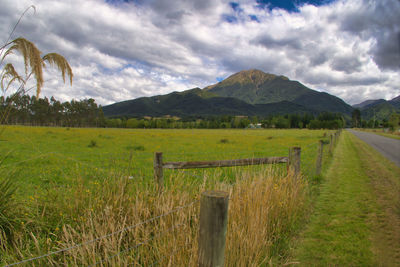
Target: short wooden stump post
x,y
331,145
213,225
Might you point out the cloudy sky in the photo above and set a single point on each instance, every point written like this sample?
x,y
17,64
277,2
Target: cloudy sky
x,y
121,49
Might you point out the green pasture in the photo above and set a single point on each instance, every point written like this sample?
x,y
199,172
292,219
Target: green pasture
x,y
40,158
66,176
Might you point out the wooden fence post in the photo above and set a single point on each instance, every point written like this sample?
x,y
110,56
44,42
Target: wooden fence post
x,y
331,145
158,170
336,138
319,157
294,159
213,225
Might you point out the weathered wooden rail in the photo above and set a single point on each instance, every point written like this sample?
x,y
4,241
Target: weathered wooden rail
x,y
224,163
293,160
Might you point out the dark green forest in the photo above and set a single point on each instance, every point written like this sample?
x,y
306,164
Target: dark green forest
x,y
29,110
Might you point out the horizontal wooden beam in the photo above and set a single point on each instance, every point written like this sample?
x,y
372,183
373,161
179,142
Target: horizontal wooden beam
x,y
223,163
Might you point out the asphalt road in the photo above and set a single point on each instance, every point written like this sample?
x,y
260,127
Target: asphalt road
x,y
388,147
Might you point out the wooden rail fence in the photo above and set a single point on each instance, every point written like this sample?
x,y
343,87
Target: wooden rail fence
x,y
292,161
214,204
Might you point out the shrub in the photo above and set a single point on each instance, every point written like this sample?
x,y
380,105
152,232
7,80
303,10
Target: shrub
x,y
138,148
92,143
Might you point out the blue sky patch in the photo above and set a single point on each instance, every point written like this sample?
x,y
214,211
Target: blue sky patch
x,y
229,18
254,18
234,5
290,5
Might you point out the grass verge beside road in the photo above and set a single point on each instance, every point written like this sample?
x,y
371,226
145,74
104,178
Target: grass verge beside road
x,y
392,135
357,215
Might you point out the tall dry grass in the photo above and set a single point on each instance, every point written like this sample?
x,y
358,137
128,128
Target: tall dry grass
x,y
264,208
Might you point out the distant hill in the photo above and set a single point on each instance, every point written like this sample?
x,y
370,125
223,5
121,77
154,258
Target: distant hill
x,y
379,109
369,103
250,93
190,102
256,87
198,102
395,101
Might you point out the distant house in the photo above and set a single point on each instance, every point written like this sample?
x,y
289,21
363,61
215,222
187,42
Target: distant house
x,y
254,126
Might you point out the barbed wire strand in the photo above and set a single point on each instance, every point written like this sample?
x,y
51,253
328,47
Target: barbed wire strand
x,y
105,236
136,246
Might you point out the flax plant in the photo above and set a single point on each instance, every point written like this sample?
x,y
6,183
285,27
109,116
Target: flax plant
x,y
34,63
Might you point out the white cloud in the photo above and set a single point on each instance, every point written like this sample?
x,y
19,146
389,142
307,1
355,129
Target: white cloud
x,y
126,50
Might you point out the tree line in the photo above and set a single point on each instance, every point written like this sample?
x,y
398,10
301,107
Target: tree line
x,y
393,122
324,120
30,110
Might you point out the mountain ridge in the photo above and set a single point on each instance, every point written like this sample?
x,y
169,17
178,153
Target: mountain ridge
x,y
256,87
379,108
367,103
250,92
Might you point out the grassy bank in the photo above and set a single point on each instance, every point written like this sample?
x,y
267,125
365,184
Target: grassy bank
x,y
358,200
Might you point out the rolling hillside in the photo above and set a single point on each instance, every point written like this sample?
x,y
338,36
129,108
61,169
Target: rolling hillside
x,y
257,87
380,109
197,102
248,93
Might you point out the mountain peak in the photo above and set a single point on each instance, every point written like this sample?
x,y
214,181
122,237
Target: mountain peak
x,y
257,87
253,76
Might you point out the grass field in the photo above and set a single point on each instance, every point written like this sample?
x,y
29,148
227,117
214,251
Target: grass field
x,y
46,157
74,185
